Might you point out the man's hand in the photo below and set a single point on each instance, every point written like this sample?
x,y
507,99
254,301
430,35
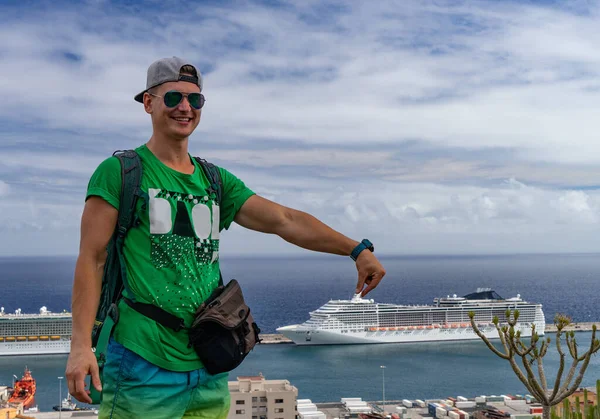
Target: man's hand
x,y
370,272
81,363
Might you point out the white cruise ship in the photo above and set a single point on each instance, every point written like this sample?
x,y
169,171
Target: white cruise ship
x,y
363,321
35,334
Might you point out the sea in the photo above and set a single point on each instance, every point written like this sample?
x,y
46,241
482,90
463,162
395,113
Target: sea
x,y
283,290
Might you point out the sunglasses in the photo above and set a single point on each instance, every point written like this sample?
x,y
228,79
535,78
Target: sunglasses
x,y
173,98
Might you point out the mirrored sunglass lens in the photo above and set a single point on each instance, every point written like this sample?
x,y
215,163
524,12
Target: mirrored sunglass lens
x,y
196,100
172,99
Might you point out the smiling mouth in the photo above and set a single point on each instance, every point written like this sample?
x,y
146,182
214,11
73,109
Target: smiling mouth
x,y
183,119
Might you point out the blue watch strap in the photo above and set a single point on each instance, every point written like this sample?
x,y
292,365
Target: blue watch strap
x,y
364,244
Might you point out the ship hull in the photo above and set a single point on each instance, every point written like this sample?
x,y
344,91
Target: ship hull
x,y
301,335
35,348
27,401
45,333
70,409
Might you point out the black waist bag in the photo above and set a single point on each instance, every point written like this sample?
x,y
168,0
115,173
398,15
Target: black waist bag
x,y
223,331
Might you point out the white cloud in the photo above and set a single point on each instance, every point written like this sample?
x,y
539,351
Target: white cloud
x,y
329,158
4,188
577,206
407,121
428,218
400,217
76,163
506,78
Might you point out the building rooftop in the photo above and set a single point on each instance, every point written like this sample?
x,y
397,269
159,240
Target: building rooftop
x,y
245,384
251,378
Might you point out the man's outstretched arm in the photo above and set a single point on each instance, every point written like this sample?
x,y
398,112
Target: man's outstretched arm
x,y
306,231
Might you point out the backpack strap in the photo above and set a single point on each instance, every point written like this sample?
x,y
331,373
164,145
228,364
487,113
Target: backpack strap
x,y
214,177
216,186
131,180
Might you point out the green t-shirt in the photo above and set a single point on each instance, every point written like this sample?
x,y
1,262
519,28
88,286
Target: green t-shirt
x,y
172,257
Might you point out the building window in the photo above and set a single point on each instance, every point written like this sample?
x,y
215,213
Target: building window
x,y
240,412
254,399
279,410
278,400
240,402
263,399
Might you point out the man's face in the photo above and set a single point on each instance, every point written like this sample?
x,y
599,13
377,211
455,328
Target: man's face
x,y
177,122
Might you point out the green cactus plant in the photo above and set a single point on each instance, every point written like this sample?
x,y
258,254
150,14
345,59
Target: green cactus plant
x,y
532,354
589,410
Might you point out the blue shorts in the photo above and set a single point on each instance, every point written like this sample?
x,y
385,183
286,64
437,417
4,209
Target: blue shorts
x,y
134,388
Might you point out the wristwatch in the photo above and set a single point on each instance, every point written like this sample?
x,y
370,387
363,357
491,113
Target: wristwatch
x,y
365,244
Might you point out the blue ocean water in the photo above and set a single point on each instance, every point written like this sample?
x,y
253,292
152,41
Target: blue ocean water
x,y
283,290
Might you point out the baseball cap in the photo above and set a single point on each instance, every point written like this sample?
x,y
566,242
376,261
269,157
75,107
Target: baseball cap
x,y
165,70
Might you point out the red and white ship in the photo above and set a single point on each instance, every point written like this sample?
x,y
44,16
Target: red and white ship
x,y
24,390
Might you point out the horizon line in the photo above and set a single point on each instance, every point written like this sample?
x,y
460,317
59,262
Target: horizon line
x,y
312,254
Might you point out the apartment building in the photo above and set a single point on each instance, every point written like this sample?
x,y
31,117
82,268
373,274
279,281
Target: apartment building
x,y
592,399
258,398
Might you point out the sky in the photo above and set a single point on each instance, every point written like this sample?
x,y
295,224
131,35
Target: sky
x,y
428,127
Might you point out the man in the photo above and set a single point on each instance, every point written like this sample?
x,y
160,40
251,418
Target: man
x,y
172,261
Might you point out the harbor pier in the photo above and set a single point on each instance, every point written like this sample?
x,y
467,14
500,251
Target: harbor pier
x,y
577,327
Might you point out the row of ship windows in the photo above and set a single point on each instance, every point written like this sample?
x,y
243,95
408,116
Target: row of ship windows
x,y
34,325
408,312
338,324
407,323
426,308
440,328
21,332
417,319
435,313
20,345
426,313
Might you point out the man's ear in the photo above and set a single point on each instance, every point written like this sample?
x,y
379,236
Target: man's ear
x,y
148,102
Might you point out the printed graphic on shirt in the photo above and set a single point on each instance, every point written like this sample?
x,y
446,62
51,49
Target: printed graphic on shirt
x,y
194,231
184,236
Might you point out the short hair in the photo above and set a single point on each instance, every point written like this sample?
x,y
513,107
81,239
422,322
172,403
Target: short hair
x,y
188,69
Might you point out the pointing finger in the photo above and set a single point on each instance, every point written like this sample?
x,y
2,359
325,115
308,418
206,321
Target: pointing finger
x,y
375,280
361,282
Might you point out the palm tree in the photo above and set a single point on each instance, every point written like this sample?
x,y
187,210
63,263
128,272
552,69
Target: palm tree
x,y
532,354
